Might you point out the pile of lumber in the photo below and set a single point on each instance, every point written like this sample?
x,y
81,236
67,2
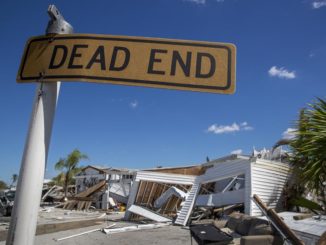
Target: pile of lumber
x,y
83,200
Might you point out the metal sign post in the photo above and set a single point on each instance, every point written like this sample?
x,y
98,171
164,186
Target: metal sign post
x,y
29,188
135,61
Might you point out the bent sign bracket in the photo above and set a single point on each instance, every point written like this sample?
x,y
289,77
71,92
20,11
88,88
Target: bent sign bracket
x,y
149,62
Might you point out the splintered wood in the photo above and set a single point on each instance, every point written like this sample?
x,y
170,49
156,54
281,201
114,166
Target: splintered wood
x,y
83,200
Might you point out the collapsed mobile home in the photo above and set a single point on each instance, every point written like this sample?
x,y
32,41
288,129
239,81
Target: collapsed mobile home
x,y
173,193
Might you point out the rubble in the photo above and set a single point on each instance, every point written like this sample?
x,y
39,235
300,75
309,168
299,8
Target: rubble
x,y
150,186
277,222
198,194
228,181
118,185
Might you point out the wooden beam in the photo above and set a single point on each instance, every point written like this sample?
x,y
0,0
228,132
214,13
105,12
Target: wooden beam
x,y
273,216
92,189
150,198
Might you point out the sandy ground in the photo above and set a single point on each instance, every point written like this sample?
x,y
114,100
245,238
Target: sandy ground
x,y
174,235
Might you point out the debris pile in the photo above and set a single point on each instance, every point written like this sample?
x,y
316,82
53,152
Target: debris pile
x,y
206,191
83,200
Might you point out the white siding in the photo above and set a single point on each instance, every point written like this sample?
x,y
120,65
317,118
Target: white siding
x,y
160,177
268,181
221,199
231,168
225,170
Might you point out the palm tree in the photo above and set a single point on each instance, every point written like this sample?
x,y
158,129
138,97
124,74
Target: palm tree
x,y
14,178
69,166
308,148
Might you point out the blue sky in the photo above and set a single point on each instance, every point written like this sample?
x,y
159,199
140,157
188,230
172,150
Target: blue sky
x,y
281,57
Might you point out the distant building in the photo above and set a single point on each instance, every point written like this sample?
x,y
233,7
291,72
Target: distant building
x,y
118,185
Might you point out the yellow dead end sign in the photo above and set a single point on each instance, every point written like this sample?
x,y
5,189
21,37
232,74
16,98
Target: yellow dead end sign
x,y
137,61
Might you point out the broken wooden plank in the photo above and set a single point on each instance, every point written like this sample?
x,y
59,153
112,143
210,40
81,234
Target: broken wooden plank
x,y
91,190
80,205
277,221
75,198
87,205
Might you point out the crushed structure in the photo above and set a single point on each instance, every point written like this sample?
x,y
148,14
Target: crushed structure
x,y
150,188
117,185
173,193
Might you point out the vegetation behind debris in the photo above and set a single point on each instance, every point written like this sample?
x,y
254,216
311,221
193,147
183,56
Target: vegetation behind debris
x,y
308,151
69,167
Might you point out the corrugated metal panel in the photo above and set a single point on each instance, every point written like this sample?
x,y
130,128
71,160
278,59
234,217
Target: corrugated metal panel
x,y
272,176
280,165
268,180
271,169
266,184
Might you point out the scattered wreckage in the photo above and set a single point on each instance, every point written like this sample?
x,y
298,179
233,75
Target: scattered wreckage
x,y
117,187
188,195
214,189
6,202
174,193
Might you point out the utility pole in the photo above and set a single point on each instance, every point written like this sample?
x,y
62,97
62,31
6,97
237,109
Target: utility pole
x,y
30,182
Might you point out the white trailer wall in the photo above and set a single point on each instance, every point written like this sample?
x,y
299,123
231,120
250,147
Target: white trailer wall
x,y
268,180
231,168
262,177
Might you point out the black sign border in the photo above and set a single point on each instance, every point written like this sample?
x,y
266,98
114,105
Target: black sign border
x,y
128,81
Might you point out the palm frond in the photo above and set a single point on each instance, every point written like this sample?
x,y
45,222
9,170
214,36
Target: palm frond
x,y
69,167
281,142
60,164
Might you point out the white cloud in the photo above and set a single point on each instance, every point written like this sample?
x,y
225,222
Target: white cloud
x,y
318,4
224,129
133,104
281,73
245,126
289,133
238,151
216,129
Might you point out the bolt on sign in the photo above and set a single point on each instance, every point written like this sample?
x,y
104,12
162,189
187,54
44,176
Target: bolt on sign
x,y
137,61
